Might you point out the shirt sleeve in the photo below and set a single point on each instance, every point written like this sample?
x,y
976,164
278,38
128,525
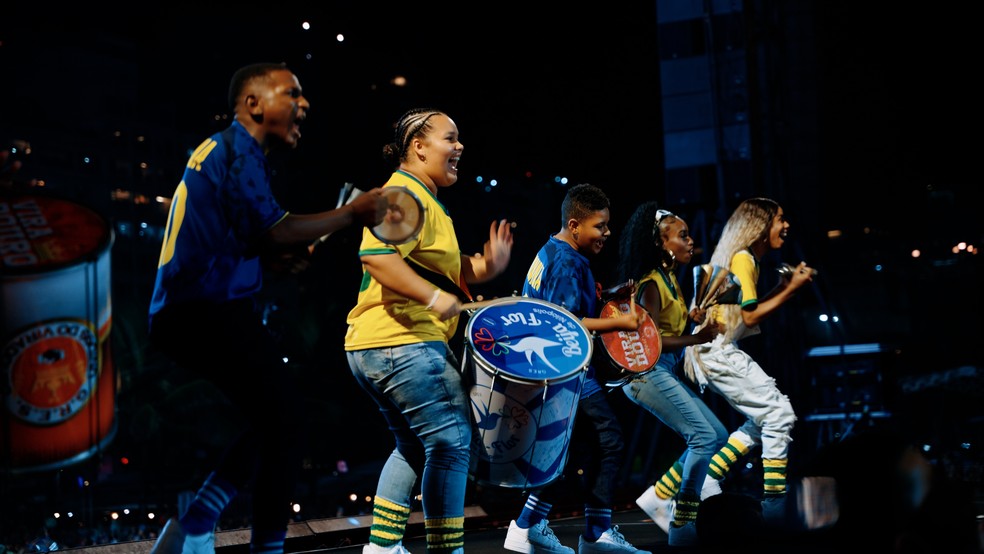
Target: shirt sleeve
x,y
744,267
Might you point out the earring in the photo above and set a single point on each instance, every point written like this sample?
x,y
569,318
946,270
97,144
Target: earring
x,y
668,259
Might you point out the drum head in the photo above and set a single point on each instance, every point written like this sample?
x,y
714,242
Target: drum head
x,y
404,216
529,340
631,352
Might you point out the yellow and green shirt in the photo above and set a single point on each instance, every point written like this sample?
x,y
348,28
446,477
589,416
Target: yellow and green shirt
x,y
383,318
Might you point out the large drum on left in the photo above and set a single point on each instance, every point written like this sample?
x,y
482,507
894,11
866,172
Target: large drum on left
x,y
58,383
526,360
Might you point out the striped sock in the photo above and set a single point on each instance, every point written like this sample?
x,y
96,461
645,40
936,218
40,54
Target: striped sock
x,y
267,542
686,508
389,522
597,521
669,484
534,511
775,476
445,534
212,498
722,461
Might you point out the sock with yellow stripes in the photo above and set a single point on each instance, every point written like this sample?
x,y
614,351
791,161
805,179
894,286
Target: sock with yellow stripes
x,y
669,484
389,522
445,534
729,454
774,478
686,508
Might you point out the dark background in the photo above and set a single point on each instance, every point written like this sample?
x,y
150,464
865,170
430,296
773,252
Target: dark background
x,y
865,119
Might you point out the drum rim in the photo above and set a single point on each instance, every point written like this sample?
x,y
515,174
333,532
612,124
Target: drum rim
x,y
96,254
486,365
420,219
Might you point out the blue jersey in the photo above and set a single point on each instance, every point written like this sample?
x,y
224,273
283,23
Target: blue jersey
x,y
562,275
220,209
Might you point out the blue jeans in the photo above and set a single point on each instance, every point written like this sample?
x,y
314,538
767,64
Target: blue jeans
x,y
662,394
419,392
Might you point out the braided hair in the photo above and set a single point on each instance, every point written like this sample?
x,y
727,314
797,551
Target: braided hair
x,y
411,124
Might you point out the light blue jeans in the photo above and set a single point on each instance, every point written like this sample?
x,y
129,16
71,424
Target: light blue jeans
x,y
663,394
419,391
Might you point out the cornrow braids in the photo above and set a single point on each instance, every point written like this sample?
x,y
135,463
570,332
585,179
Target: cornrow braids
x,y
410,124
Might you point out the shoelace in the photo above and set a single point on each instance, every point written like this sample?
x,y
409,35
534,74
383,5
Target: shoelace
x,y
618,537
549,533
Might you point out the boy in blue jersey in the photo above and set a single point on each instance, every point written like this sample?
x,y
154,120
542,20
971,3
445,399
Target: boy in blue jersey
x,y
561,274
223,216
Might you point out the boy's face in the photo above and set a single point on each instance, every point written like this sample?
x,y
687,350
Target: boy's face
x,y
591,232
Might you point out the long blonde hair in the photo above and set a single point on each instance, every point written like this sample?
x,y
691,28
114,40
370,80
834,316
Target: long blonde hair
x,y
748,224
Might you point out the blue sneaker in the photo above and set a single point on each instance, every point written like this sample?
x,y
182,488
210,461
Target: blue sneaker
x,y
774,510
609,541
683,535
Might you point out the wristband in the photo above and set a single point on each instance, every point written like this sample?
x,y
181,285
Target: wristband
x,y
434,299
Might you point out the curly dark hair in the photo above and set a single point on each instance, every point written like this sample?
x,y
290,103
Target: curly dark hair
x,y
640,245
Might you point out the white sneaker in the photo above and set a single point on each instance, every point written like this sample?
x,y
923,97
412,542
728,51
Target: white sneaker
x,y
658,509
539,539
376,549
711,487
609,541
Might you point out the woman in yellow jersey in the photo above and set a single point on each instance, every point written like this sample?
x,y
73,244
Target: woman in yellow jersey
x,y
654,247
397,341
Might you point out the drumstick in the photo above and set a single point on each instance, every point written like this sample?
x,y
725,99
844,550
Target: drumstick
x,y
483,303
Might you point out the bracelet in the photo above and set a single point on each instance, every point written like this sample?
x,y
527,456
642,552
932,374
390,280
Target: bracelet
x,y
433,301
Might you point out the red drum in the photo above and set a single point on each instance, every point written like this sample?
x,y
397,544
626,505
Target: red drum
x,y
620,356
59,385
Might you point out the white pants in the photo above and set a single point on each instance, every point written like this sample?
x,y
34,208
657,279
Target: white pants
x,y
733,374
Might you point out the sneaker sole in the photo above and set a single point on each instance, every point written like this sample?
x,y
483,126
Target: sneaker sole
x,y
518,546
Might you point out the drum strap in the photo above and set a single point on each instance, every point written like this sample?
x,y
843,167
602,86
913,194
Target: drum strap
x,y
441,281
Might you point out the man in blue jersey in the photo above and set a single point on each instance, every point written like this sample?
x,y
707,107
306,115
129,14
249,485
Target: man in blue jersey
x,y
223,217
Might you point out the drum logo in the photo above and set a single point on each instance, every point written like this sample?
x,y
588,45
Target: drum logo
x,y
51,370
634,351
508,423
